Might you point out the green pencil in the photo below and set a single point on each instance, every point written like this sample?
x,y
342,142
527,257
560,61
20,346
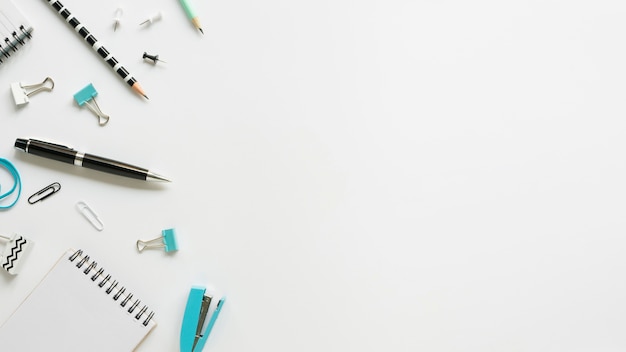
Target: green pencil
x,y
191,15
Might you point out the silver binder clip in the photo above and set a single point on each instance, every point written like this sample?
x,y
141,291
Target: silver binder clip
x,y
14,253
21,92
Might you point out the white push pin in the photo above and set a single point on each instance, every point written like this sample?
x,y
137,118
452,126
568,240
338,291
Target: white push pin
x,y
118,16
14,253
156,17
21,92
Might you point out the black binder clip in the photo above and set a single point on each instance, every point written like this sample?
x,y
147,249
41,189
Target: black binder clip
x,y
22,92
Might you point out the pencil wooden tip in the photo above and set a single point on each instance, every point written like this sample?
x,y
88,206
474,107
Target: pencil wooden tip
x,y
196,23
137,88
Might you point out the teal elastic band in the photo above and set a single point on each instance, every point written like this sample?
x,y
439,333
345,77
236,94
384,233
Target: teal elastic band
x,y
17,184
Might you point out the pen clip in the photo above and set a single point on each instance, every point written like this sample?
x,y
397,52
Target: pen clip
x,y
50,143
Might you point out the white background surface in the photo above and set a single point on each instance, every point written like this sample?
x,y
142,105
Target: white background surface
x,y
354,175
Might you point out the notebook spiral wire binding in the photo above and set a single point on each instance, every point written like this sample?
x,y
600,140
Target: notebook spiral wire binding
x,y
98,272
12,41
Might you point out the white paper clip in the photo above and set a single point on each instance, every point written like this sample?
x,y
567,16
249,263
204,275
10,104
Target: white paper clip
x,y
90,215
21,91
156,17
166,241
14,253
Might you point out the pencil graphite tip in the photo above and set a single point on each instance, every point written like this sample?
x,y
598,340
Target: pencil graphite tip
x,y
201,31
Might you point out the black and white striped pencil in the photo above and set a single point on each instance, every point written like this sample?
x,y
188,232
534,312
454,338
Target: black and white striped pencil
x,y
96,45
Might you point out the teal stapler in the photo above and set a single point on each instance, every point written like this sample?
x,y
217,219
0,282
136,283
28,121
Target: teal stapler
x,y
193,334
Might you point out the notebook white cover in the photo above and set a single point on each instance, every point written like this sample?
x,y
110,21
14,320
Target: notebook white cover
x,y
67,311
11,19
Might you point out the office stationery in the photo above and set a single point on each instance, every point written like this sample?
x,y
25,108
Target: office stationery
x,y
21,92
87,96
97,46
17,184
90,215
193,334
154,58
153,18
70,156
14,28
14,253
191,15
44,193
118,16
167,241
78,306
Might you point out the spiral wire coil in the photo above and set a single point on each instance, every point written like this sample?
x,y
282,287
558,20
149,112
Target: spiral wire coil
x,y
103,280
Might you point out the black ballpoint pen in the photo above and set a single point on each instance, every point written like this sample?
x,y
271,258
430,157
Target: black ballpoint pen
x,y
71,156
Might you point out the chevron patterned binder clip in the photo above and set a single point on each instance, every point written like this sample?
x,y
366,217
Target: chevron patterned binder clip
x,y
14,253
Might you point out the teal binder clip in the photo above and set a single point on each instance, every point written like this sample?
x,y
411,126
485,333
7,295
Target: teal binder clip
x,y
192,335
167,241
87,96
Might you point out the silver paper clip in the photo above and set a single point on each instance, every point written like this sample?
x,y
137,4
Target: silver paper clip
x,y
90,215
44,193
21,92
14,253
166,241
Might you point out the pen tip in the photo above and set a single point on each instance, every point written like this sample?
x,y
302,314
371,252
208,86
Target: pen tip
x,y
155,177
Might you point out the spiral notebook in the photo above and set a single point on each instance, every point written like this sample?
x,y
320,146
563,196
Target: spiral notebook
x,y
77,306
15,29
